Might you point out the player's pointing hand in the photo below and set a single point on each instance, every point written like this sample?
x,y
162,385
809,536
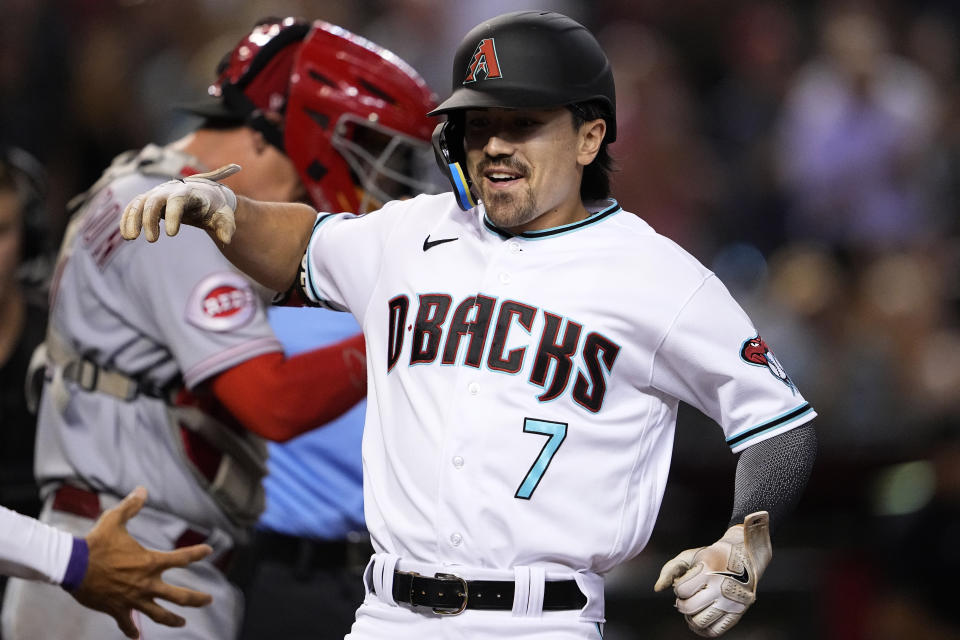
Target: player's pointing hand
x,y
199,201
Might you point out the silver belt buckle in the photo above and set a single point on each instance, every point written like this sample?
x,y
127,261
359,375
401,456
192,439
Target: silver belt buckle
x,y
464,595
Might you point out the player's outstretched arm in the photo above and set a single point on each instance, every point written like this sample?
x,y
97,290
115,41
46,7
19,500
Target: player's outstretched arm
x,y
715,585
265,240
122,575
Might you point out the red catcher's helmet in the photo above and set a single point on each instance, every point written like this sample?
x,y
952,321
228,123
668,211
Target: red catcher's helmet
x,y
352,100
349,114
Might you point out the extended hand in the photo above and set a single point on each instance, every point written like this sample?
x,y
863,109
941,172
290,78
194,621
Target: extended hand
x,y
715,585
122,575
198,200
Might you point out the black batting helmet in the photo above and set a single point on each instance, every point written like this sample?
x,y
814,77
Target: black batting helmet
x,y
521,60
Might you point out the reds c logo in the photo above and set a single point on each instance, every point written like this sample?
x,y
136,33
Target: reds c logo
x,y
225,301
484,60
756,352
221,302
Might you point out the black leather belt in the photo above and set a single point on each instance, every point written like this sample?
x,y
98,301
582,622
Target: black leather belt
x,y
449,594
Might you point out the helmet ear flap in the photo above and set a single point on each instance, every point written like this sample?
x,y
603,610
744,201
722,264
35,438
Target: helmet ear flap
x,y
448,149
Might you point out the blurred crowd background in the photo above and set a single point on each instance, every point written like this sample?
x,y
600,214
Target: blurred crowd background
x,y
807,152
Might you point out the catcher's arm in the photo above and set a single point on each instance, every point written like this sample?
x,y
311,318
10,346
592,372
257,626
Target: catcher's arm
x,y
715,585
265,240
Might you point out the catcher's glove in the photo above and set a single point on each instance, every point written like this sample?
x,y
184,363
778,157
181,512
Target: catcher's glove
x,y
198,200
715,585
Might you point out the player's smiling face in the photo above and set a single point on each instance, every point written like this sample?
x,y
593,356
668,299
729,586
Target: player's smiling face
x,y
526,164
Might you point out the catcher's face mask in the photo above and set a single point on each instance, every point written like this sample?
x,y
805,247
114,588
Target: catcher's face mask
x,y
356,126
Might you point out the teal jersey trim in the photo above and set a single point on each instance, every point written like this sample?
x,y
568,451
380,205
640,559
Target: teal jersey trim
x,y
606,212
309,263
769,425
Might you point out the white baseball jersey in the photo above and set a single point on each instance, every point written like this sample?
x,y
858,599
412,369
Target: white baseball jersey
x,y
523,390
155,311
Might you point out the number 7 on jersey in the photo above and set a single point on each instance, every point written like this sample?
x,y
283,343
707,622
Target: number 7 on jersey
x,y
557,432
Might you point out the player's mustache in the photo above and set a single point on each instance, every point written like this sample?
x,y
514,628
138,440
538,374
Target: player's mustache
x,y
508,162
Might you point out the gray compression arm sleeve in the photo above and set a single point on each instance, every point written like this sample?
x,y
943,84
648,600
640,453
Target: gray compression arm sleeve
x,y
772,474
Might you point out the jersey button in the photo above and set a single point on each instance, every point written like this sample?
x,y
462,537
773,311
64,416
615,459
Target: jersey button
x,y
456,539
504,278
473,388
458,462
514,246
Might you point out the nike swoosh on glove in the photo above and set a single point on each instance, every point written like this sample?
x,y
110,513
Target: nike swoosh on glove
x,y
198,200
715,585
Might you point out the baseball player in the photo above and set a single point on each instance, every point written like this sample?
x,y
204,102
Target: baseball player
x,y
106,570
529,345
172,384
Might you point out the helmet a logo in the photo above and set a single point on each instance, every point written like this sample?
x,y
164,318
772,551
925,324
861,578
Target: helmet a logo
x,y
484,62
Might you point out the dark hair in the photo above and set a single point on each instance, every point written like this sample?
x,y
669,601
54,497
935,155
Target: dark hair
x,y
596,175
220,124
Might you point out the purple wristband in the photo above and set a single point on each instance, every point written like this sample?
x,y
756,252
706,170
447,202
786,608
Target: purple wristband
x,y
77,566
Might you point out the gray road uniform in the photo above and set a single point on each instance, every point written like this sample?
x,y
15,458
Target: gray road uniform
x,y
111,416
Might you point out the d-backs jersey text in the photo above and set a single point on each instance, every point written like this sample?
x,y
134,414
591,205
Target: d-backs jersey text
x,y
523,389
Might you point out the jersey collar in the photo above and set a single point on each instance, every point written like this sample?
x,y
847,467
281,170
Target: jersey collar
x,y
599,210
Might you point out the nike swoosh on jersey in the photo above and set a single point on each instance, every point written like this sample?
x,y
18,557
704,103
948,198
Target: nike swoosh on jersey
x,y
428,244
743,577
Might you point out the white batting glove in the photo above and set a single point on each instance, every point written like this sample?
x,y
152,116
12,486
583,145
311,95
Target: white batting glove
x,y
715,585
198,200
